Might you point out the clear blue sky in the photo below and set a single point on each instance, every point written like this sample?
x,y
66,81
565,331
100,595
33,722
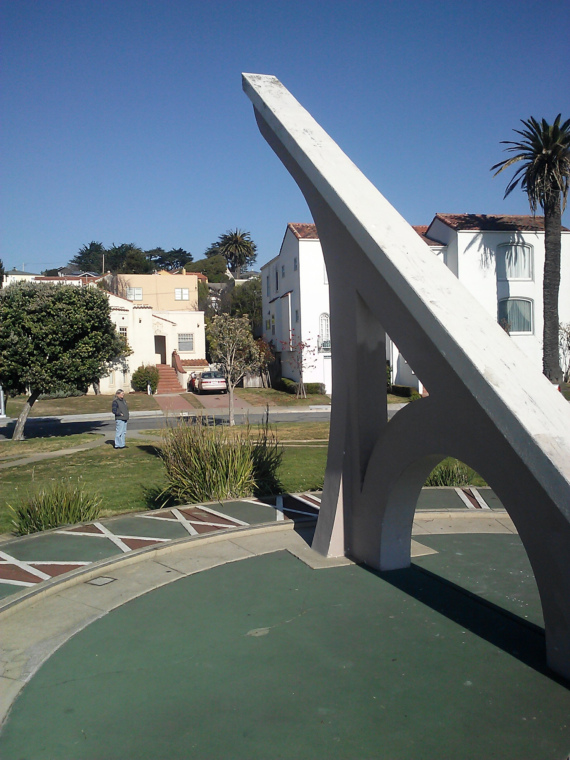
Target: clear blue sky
x,y
125,121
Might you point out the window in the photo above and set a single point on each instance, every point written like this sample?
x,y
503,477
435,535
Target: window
x,y
134,294
295,264
181,294
324,333
515,316
282,271
268,324
296,315
268,288
185,341
514,262
276,280
123,333
273,324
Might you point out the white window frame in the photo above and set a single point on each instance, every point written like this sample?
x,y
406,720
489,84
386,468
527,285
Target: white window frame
x,y
134,294
186,338
531,307
181,294
503,274
324,332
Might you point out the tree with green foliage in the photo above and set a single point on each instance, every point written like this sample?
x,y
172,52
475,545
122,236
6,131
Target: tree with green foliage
x,y
233,349
246,301
238,249
89,258
128,258
174,259
2,273
54,337
213,267
545,177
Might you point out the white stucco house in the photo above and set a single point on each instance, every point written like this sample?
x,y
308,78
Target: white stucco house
x,y
154,337
159,320
499,259
17,275
295,303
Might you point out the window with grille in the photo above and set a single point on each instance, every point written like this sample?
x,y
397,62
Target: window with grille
x,y
324,333
181,294
134,294
185,341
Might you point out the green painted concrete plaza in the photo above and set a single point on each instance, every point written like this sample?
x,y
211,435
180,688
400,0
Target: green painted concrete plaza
x,y
268,658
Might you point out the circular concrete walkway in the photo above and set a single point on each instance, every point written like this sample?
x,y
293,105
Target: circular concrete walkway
x,y
244,643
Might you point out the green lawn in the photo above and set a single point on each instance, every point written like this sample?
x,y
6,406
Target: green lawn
x,y
123,478
138,402
19,449
119,477
263,396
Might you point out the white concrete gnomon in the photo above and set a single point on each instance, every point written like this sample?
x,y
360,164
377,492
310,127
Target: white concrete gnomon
x,y
488,405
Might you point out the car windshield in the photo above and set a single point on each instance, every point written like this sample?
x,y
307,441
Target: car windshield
x,y
212,376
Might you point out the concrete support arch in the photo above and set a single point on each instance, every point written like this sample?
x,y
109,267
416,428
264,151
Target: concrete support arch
x,y
488,405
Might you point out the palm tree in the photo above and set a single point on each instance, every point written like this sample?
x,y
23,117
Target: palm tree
x,y
238,249
545,177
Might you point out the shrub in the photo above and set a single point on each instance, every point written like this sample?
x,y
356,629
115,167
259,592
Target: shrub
x,y
213,463
57,504
64,392
145,374
388,376
315,388
287,385
403,390
450,472
290,386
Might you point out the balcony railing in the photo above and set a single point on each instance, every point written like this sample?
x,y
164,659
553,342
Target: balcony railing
x,y
324,345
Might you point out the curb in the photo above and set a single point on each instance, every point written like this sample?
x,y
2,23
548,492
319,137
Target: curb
x,y
28,596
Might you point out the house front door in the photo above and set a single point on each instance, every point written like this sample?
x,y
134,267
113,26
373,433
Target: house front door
x,y
160,349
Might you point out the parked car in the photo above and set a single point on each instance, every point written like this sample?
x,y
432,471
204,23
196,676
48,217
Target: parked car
x,y
211,381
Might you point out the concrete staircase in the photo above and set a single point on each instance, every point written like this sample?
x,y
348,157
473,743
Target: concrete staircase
x,y
167,380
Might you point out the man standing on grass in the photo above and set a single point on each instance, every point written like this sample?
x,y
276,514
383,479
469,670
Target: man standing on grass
x,y
121,412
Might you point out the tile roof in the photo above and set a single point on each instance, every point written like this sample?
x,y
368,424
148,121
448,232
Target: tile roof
x,y
421,229
195,363
83,279
494,222
304,231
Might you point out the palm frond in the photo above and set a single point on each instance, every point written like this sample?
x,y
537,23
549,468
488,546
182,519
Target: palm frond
x,y
545,153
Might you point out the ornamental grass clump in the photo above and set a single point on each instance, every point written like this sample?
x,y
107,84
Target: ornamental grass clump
x,y
213,463
51,506
450,472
